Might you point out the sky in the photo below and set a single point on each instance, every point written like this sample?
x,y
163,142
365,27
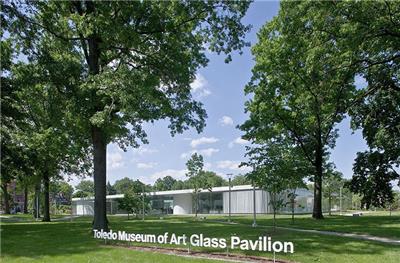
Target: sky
x,y
220,87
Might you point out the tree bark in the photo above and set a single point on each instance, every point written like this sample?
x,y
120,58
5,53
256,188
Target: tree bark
x,y
99,160
317,209
25,200
46,190
6,197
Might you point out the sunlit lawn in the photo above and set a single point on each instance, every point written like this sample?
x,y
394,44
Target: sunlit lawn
x,y
373,223
71,241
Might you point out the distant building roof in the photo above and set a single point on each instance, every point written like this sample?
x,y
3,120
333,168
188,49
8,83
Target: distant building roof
x,y
177,192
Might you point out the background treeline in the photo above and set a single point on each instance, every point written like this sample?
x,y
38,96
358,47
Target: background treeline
x,y
86,187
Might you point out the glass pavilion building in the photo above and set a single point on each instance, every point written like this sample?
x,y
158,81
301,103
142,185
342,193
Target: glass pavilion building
x,y
216,201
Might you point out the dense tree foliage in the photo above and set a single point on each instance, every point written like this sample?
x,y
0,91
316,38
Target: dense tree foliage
x,y
111,189
61,191
240,180
126,184
164,184
130,203
134,60
307,60
368,33
85,188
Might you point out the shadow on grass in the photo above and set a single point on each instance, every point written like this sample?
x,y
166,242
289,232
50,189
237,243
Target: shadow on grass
x,y
381,226
35,240
46,239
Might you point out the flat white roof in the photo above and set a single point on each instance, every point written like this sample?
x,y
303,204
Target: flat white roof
x,y
177,192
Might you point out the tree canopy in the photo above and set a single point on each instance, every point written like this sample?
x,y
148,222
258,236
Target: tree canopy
x,y
130,62
307,60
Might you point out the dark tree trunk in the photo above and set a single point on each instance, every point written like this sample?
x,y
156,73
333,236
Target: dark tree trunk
x,y
100,189
6,197
99,141
46,190
25,200
317,209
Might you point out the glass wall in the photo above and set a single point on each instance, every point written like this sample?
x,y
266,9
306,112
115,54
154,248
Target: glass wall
x,y
210,203
163,204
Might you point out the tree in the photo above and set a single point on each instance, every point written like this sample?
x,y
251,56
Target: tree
x,y
368,33
131,203
41,125
300,90
240,180
85,188
374,170
137,62
277,168
395,204
274,184
111,189
333,181
372,179
179,185
125,185
164,184
61,191
196,181
13,153
48,136
211,179
294,183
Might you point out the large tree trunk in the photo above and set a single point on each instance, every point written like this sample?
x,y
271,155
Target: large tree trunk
x,y
25,200
99,141
46,190
6,197
317,209
100,189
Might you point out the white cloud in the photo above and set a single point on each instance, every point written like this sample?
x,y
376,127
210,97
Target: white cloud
x,y
203,140
226,121
115,160
239,141
200,87
232,165
146,165
206,152
144,150
207,166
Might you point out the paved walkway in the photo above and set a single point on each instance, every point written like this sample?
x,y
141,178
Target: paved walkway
x,y
331,233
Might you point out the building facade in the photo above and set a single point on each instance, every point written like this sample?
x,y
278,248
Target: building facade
x,y
216,201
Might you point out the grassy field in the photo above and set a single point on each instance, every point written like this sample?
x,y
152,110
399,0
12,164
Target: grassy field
x,y
374,223
71,241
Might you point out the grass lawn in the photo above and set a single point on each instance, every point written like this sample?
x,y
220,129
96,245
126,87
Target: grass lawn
x,y
71,241
374,223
